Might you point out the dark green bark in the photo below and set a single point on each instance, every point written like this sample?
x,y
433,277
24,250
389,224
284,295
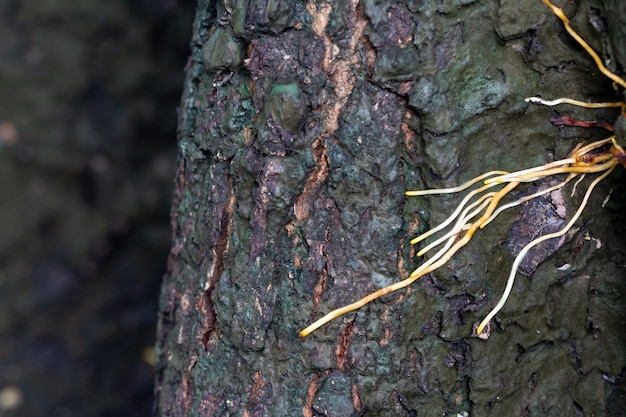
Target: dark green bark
x,y
301,126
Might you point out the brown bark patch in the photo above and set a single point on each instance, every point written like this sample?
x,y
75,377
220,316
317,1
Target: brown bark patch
x,y
205,304
343,348
305,200
307,410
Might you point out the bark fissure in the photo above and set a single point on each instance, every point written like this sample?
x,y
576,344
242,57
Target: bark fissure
x,y
305,200
307,410
343,347
206,305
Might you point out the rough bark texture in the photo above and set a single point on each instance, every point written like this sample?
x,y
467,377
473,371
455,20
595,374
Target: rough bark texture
x,y
301,126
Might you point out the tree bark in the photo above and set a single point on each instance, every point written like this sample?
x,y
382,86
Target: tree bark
x,y
301,126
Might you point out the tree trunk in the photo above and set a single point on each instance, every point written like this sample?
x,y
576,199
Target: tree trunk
x,y
301,126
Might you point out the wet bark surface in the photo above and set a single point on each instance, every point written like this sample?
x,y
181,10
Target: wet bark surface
x,y
302,124
88,96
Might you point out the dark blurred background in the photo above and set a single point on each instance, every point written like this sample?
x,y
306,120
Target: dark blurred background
x,y
88,98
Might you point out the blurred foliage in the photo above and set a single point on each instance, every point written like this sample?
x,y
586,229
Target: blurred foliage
x,y
88,97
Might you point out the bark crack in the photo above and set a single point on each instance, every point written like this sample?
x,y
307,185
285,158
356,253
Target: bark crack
x,y
343,348
205,304
307,410
304,202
